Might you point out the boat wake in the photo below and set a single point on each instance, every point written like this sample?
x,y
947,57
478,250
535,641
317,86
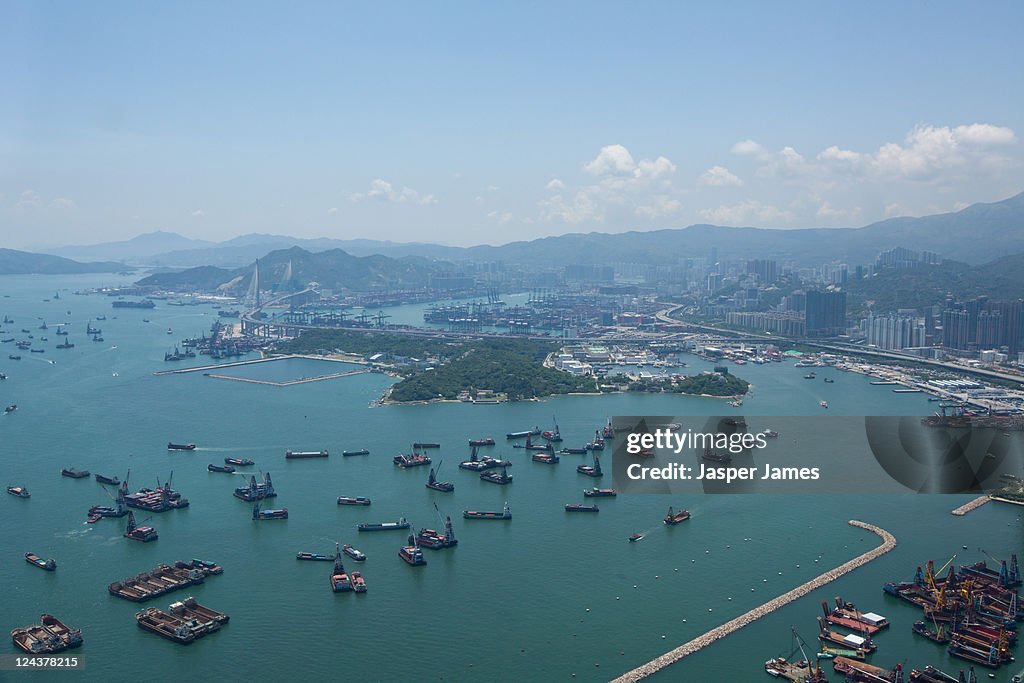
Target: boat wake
x,y
74,533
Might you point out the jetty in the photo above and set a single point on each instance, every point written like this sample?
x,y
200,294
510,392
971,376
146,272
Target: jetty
x,y
301,380
700,642
252,361
972,505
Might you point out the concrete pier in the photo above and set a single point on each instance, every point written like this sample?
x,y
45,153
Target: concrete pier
x,y
700,642
302,380
973,505
233,364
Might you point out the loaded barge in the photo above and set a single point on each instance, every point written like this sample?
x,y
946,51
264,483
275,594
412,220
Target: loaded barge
x,y
506,513
50,636
186,622
163,579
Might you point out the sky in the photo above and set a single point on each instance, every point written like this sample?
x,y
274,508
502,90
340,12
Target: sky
x,y
467,123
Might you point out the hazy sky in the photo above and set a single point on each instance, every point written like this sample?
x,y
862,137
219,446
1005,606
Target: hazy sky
x,y
468,123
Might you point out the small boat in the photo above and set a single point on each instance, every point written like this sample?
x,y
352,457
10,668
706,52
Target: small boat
x,y
258,514
496,477
769,433
829,380
673,517
14,357
37,351
810,375
103,479
170,331
591,470
481,442
353,500
33,559
402,523
600,493
314,557
238,462
228,469
506,513
19,491
180,446
11,408
824,404
577,507
423,444
357,555
358,582
546,458
361,451
633,538
73,473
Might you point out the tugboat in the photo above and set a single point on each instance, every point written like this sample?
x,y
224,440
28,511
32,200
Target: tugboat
x,y
340,581
496,477
139,533
220,468
11,408
353,500
506,513
591,471
239,462
577,507
634,537
103,479
673,517
546,458
402,523
414,459
600,493
33,559
259,514
180,446
358,582
73,473
481,442
361,451
19,491
357,555
412,554
433,483
313,557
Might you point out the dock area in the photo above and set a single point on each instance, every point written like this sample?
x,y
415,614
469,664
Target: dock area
x,y
972,505
700,642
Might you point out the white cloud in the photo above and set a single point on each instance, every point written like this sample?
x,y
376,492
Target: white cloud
x,y
332,210
554,185
893,210
612,159
747,148
985,134
719,176
747,212
828,212
29,199
661,207
383,191
577,209
960,206
63,203
501,217
198,213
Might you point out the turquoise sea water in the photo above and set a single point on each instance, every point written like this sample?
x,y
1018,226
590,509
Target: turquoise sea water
x,y
542,597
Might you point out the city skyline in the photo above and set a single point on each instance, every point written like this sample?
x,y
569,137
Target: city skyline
x,y
479,125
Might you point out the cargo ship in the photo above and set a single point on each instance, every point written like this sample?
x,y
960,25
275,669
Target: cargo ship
x,y
546,458
406,461
313,557
19,491
433,483
353,500
180,446
361,451
674,517
591,470
73,473
481,442
358,582
357,555
522,435
36,561
299,455
259,514
239,462
600,493
496,477
49,637
139,533
255,490
845,618
113,481
939,635
402,523
506,513
412,554
340,580
578,507
425,444
429,538
220,468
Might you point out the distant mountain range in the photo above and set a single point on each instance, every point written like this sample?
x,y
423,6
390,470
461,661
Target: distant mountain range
x,y
977,234
27,263
332,269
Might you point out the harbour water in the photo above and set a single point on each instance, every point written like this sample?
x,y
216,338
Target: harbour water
x,y
542,597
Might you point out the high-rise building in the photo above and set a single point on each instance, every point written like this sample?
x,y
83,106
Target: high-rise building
x,y
766,270
825,313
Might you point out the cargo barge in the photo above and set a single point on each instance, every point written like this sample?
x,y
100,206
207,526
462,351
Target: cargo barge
x,y
353,500
522,435
600,493
591,470
180,446
313,557
301,455
227,469
357,555
506,513
428,538
50,636
72,473
361,451
340,580
496,477
577,507
239,462
36,561
674,517
256,490
402,523
163,579
145,534
260,515
408,460
412,554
